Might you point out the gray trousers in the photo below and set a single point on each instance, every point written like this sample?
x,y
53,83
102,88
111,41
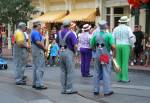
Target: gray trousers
x,y
38,65
20,59
67,66
102,72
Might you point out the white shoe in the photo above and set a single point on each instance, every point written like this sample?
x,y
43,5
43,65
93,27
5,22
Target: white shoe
x,y
132,64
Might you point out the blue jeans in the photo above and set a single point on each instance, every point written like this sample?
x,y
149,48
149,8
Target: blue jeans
x,y
67,66
20,59
102,72
38,65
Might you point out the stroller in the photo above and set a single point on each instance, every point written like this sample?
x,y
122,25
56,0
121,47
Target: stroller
x,y
3,64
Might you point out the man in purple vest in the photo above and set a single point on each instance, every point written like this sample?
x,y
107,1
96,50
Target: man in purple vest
x,y
68,46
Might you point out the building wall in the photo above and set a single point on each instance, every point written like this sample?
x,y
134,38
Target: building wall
x,y
142,21
86,4
113,17
110,3
54,5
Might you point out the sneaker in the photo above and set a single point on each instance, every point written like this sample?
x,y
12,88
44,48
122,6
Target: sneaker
x,y
132,64
134,61
141,62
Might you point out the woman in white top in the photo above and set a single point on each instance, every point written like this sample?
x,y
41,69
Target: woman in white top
x,y
85,50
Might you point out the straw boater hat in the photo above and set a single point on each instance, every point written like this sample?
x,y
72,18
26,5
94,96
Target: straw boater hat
x,y
86,27
124,19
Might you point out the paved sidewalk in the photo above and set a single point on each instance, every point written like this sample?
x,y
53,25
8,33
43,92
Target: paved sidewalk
x,y
138,90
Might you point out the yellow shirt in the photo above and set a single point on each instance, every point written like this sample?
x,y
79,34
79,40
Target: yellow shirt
x,y
19,37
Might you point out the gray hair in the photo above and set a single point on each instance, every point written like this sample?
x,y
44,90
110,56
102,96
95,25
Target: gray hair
x,y
21,25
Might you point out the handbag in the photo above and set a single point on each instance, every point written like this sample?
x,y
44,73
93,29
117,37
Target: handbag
x,y
116,67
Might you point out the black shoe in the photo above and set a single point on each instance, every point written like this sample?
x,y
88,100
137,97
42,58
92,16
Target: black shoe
x,y
126,81
63,92
33,86
96,93
40,87
20,83
108,94
28,66
119,81
72,92
88,76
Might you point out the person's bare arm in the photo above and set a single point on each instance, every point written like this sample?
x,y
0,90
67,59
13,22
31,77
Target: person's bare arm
x,y
113,48
38,43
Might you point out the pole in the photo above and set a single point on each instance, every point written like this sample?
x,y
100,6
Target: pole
x,y
9,36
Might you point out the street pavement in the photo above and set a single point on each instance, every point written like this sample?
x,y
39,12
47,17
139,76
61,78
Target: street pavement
x,y
137,91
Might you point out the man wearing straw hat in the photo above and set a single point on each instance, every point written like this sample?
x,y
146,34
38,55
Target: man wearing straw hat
x,y
124,40
103,42
68,45
20,53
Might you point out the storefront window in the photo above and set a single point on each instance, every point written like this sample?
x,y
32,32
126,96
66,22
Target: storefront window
x,y
108,15
116,19
118,10
108,10
108,19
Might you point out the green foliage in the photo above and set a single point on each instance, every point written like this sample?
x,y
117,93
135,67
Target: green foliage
x,y
14,11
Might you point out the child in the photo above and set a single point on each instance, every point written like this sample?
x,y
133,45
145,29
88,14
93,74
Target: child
x,y
53,53
147,52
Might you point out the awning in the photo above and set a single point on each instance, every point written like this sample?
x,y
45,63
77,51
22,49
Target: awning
x,y
81,15
50,16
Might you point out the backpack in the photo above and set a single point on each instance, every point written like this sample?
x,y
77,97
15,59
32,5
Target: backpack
x,y
101,49
62,41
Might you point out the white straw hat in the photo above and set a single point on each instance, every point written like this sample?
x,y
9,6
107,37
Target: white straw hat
x,y
86,27
124,19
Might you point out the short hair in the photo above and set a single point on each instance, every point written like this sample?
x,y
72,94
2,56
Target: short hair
x,y
35,24
21,25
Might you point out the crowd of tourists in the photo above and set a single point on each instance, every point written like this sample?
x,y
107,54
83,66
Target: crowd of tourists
x,y
92,43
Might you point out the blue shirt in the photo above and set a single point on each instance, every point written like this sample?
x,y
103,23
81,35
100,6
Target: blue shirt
x,y
54,49
35,36
71,40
